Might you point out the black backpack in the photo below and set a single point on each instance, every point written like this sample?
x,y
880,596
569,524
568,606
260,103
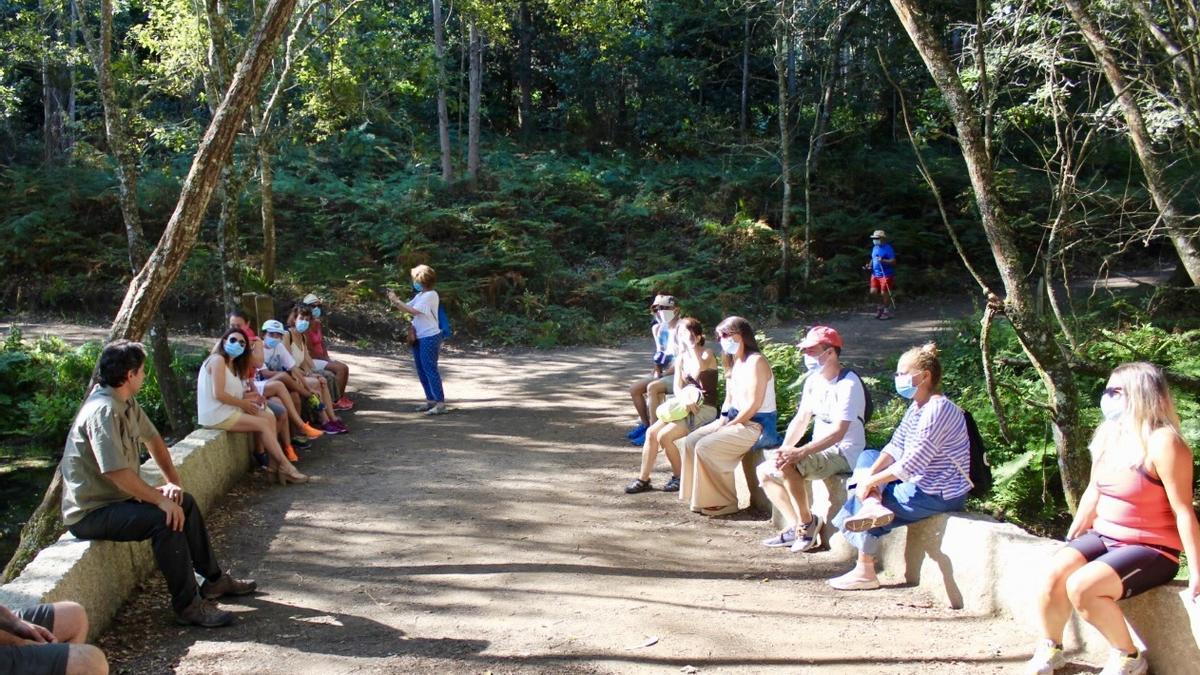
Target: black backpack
x,y
869,408
981,473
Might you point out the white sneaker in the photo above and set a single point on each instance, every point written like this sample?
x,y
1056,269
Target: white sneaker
x,y
1120,663
809,537
850,582
1047,658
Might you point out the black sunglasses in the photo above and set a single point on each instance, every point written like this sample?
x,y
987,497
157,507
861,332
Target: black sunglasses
x,y
238,340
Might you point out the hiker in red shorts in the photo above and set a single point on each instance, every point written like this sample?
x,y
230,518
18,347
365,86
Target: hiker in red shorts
x,y
883,272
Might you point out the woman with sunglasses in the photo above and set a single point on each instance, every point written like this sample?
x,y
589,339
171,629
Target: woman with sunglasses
x,y
921,472
221,402
1133,520
712,452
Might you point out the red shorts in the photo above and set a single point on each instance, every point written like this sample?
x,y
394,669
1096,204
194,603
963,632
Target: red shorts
x,y
883,284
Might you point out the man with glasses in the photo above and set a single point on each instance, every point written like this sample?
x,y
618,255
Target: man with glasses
x,y
835,401
105,497
648,393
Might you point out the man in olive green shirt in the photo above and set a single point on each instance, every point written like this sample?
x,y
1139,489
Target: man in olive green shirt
x,y
105,497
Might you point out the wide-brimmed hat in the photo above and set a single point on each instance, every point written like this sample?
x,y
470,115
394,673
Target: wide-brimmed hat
x,y
311,299
273,326
821,335
664,301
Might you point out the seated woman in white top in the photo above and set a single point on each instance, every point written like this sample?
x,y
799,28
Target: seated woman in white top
x,y
221,402
713,451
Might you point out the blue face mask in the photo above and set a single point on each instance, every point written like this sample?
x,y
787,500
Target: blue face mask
x,y
418,286
302,325
316,312
271,342
905,386
234,348
811,363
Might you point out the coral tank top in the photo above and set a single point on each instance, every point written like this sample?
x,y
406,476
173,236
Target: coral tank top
x,y
1133,508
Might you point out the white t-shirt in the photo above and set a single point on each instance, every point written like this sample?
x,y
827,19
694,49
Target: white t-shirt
x,y
278,359
833,402
425,321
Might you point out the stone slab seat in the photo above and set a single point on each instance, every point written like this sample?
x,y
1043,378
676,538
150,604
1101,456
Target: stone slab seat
x,y
984,567
101,575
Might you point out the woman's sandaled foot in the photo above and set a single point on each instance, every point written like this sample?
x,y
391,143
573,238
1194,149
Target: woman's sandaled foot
x,y
638,485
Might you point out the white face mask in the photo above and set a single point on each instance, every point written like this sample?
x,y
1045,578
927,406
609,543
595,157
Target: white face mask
x,y
666,315
729,346
1112,406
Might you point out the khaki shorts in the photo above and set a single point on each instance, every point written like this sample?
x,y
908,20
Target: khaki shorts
x,y
227,423
667,381
703,416
823,464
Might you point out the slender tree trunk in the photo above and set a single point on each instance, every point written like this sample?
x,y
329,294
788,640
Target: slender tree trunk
x,y
1152,167
525,71
266,191
782,47
473,100
744,108
227,233
57,89
439,45
1033,330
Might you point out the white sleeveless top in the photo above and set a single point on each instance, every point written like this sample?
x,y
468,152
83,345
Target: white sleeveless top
x,y
210,411
743,397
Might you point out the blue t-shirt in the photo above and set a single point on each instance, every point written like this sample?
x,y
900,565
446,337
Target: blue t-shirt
x,y
879,268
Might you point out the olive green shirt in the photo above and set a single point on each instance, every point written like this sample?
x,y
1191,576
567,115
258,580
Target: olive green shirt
x,y
104,437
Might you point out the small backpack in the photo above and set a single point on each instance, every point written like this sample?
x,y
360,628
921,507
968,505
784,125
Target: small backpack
x,y
980,474
444,322
869,408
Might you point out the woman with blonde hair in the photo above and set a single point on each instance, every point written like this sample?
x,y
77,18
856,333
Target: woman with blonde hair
x,y
424,308
1133,520
921,472
696,374
221,402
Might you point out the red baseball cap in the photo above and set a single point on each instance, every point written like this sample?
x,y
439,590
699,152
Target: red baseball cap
x,y
821,335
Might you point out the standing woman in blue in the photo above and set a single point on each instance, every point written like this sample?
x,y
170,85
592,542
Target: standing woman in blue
x,y
424,310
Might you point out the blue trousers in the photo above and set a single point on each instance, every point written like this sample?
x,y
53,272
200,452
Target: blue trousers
x,y
904,499
425,357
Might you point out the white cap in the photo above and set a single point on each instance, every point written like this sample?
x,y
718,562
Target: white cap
x,y
273,326
311,299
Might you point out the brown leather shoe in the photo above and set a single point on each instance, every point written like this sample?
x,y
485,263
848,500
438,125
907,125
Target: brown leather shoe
x,y
227,585
204,613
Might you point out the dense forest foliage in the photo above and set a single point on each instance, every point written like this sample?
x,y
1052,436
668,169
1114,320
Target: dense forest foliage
x,y
560,162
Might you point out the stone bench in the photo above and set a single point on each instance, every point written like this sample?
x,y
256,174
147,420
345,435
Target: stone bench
x,y
974,563
101,575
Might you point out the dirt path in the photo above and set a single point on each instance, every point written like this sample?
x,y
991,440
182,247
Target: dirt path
x,y
497,539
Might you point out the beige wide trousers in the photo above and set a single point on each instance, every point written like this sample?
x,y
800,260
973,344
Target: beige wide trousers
x,y
710,455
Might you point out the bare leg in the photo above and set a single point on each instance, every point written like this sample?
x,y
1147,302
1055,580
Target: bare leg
x,y
314,382
778,495
70,622
278,390
656,393
262,425
342,372
667,438
650,450
638,393
798,492
1054,607
1094,590
86,660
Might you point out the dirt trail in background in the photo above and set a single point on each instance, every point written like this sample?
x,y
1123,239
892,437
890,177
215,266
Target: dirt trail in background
x,y
497,539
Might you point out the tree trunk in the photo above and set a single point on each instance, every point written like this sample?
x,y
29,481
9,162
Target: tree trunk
x,y
266,191
1173,220
147,289
227,250
57,89
1032,329
439,45
782,51
525,71
744,107
475,68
